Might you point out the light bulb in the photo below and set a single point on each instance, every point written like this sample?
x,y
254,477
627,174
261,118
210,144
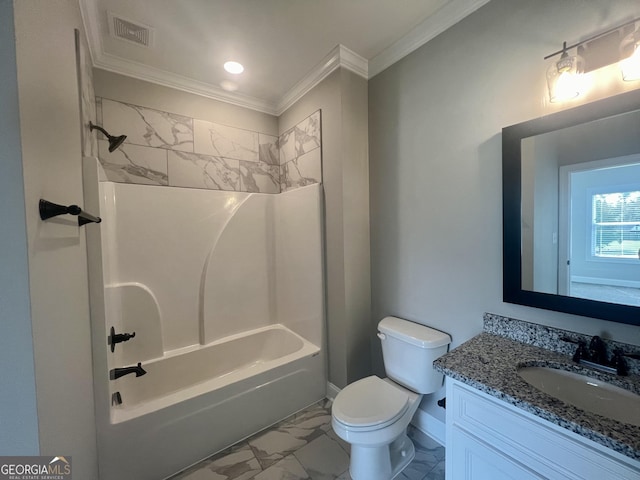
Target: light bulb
x,y
566,87
631,66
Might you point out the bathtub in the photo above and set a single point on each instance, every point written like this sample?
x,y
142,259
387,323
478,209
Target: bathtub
x,y
196,401
194,371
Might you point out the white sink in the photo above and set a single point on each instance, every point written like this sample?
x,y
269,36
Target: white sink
x,y
585,392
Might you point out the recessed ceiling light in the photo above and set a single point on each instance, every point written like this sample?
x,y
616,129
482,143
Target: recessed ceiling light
x,y
233,67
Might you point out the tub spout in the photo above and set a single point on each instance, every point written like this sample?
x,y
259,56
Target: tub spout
x,y
119,372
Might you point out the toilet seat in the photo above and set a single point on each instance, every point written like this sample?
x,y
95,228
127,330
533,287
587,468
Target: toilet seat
x,y
370,404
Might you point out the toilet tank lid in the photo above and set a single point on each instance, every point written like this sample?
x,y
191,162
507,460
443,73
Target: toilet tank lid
x,y
413,333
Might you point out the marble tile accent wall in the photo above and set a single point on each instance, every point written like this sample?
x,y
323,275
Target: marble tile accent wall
x,y
195,170
301,153
303,170
164,148
148,127
268,149
134,164
222,141
87,94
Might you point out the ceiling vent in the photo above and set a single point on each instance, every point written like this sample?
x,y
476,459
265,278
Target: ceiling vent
x,y
130,31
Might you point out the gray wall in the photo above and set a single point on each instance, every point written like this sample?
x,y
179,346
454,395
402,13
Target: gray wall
x,y
18,415
138,92
342,96
51,161
435,121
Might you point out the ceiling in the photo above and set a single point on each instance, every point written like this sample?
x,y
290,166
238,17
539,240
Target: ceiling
x,y
286,46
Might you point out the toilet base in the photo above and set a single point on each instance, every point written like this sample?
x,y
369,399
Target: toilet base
x,y
383,462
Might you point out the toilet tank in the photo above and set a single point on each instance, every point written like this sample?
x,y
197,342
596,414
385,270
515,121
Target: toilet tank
x,y
409,350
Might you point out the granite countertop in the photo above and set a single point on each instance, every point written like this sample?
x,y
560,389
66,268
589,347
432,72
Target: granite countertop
x,y
490,362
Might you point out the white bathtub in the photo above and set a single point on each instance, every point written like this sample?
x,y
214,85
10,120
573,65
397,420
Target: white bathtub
x,y
202,399
193,371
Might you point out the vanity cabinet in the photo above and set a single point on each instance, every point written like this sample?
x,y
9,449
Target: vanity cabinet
x,y
488,439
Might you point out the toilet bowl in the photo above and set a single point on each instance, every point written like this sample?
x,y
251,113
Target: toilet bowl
x,y
373,414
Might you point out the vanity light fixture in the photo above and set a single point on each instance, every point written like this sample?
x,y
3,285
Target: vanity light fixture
x,y
563,76
616,45
233,67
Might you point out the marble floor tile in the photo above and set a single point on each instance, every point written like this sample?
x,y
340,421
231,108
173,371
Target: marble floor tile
x,y
303,446
288,468
235,463
314,417
345,476
290,435
437,473
200,474
323,459
345,446
274,445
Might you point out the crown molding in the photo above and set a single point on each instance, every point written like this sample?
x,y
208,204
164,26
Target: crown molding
x,y
447,16
451,13
140,71
340,56
354,62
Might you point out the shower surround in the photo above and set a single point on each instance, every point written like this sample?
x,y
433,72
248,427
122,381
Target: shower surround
x,y
210,249
164,148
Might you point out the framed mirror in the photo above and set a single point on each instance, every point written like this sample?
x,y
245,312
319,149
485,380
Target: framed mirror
x,y
571,210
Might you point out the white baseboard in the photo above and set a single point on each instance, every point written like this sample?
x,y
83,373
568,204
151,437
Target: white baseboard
x,y
430,426
332,391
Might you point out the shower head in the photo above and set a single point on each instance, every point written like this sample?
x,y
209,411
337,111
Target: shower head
x,y
114,142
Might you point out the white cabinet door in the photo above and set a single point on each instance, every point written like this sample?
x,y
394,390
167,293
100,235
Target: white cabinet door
x,y
473,459
490,439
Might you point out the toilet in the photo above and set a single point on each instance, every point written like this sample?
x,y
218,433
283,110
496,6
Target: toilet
x,y
373,413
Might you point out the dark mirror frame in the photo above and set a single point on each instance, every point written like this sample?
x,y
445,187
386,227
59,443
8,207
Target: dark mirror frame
x,y
511,210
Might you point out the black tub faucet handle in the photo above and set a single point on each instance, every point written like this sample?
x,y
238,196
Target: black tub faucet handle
x,y
119,337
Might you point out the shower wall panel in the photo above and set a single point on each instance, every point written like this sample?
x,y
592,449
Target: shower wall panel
x,y
161,238
187,266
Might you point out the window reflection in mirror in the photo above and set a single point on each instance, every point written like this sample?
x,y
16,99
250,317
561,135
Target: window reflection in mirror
x,y
602,236
581,211
571,210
